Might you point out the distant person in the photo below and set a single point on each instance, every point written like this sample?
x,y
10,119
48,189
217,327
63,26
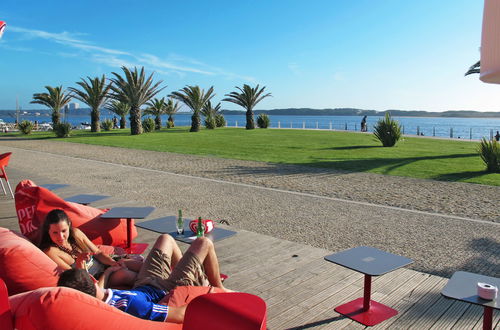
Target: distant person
x,y
36,125
364,127
497,136
115,122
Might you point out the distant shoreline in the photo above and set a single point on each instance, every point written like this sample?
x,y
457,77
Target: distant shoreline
x,y
299,112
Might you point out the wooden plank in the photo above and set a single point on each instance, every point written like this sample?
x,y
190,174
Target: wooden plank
x,y
450,317
427,296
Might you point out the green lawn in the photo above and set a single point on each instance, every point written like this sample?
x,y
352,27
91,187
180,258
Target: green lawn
x,y
412,157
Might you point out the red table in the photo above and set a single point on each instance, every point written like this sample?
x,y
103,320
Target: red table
x,y
371,262
130,213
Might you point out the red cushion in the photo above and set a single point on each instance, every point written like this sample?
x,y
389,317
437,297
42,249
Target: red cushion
x,y
23,266
33,203
65,308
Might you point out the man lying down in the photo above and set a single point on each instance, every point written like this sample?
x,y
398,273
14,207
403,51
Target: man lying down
x,y
164,269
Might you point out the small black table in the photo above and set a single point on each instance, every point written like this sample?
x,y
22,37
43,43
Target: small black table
x,y
463,286
85,199
371,262
54,186
130,213
166,225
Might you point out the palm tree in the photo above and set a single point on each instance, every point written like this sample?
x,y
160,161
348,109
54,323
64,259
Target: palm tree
x,y
121,109
171,109
208,110
135,90
156,108
55,99
195,99
475,68
248,99
95,94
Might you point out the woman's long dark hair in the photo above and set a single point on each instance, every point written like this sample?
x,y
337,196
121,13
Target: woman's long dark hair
x,y
56,216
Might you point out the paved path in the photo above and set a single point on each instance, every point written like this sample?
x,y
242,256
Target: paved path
x,y
439,243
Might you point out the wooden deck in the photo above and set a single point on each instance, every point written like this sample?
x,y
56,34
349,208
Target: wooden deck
x,y
299,287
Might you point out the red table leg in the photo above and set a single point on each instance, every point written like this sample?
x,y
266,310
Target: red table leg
x,y
364,310
133,248
488,318
129,233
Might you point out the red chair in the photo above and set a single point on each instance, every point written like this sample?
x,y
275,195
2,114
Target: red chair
x,y
5,314
4,161
235,310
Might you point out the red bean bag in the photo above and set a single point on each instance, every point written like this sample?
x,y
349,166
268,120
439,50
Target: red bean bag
x,y
23,266
65,308
33,203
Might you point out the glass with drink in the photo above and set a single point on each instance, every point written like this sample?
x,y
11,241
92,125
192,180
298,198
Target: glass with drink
x,y
179,224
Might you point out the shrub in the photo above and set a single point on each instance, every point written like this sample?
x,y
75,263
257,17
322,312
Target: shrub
x,y
220,121
170,124
107,125
62,130
387,131
263,121
490,154
148,125
210,122
26,126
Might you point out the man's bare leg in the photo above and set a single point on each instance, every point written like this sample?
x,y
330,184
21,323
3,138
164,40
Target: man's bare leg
x,y
204,249
167,245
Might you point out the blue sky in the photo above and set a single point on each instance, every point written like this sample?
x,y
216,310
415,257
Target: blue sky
x,y
386,54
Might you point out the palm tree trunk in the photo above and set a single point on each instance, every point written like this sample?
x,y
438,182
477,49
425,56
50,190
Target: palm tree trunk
x,y
195,122
250,121
56,117
123,122
135,121
94,121
171,119
157,123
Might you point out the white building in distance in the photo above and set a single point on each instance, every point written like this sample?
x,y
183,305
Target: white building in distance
x,y
73,106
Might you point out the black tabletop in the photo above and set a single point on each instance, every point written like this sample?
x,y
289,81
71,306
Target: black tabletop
x,y
369,260
54,186
166,225
128,212
85,198
463,286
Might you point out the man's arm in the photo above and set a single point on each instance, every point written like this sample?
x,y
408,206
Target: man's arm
x,y
103,280
176,314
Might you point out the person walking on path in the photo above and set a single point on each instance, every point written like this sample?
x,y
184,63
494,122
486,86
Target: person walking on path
x,y
164,269
364,127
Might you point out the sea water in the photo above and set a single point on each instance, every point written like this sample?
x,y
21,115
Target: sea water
x,y
463,128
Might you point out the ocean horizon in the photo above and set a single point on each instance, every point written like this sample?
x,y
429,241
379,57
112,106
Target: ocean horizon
x,y
454,127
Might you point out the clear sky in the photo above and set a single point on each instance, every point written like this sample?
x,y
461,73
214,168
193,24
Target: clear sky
x,y
385,54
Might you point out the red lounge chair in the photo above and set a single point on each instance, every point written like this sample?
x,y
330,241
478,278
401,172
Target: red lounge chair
x,y
33,203
4,161
235,310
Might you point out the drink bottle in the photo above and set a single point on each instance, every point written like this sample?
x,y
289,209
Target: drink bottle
x,y
200,231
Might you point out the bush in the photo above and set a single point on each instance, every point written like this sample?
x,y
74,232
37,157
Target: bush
x,y
107,125
490,154
210,122
26,126
148,125
387,131
62,130
263,121
170,124
220,121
